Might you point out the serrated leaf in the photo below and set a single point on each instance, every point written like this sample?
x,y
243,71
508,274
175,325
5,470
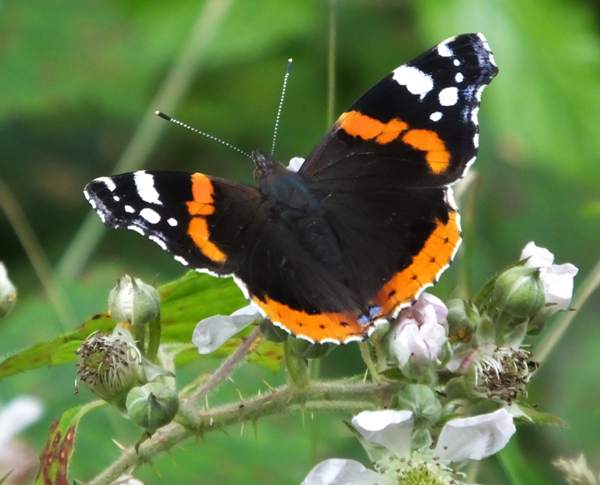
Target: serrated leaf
x,y
56,455
184,302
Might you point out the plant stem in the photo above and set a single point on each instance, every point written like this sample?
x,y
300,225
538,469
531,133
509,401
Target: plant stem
x,y
218,376
297,367
365,353
547,344
35,252
186,66
331,63
317,396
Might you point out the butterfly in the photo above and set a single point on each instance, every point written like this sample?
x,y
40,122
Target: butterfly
x,y
329,250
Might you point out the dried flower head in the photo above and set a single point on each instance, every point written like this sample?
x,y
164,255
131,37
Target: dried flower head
x,y
504,375
110,365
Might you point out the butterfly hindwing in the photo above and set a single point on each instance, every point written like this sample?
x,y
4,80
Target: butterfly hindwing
x,y
197,218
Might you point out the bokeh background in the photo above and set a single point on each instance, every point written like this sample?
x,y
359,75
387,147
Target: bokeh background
x,y
79,79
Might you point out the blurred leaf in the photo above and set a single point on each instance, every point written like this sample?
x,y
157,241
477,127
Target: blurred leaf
x,y
56,455
184,302
540,417
518,470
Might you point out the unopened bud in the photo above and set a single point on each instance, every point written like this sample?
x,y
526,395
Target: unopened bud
x,y
133,301
422,401
110,365
309,350
152,405
8,293
463,318
519,291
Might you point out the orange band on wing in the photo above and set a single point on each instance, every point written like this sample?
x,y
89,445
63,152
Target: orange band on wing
x,y
201,206
203,193
436,153
318,327
426,266
355,123
198,231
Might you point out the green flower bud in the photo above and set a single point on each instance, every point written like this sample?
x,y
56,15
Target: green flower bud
x,y
152,405
308,350
422,401
272,332
110,365
519,291
8,293
463,318
133,301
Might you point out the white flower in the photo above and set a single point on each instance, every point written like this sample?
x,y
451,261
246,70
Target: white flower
x,y
295,164
17,457
420,331
8,292
461,439
17,415
557,279
212,332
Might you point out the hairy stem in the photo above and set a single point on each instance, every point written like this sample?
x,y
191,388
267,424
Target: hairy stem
x,y
317,396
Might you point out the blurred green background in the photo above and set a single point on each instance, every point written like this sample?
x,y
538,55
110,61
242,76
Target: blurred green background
x,y
78,79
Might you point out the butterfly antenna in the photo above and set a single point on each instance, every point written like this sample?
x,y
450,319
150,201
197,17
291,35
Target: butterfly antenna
x,y
288,71
203,133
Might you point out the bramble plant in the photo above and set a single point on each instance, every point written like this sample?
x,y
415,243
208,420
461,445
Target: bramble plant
x,y
445,382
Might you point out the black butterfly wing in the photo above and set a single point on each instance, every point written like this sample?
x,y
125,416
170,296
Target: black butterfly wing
x,y
383,172
416,127
201,220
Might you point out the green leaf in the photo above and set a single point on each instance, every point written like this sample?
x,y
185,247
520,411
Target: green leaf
x,y
184,302
540,417
56,455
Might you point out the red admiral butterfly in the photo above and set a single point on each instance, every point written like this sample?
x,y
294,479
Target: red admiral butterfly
x,y
355,235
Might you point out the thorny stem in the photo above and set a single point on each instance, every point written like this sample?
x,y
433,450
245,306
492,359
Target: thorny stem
x,y
317,396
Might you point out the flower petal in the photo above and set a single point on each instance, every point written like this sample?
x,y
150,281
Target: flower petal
x,y
388,428
475,438
212,332
535,256
17,415
337,471
295,164
558,284
428,303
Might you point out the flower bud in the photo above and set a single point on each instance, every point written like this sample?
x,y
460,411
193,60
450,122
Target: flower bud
x,y
463,318
422,401
110,365
133,301
519,292
8,293
152,405
307,350
272,332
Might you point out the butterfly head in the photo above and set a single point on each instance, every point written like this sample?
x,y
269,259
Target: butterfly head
x,y
263,164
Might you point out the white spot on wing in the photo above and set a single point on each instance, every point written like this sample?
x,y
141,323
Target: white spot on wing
x,y
150,215
474,114
158,241
448,96
172,221
456,62
476,140
144,183
459,78
181,260
137,229
129,209
295,164
116,198
444,50
437,116
415,80
110,185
